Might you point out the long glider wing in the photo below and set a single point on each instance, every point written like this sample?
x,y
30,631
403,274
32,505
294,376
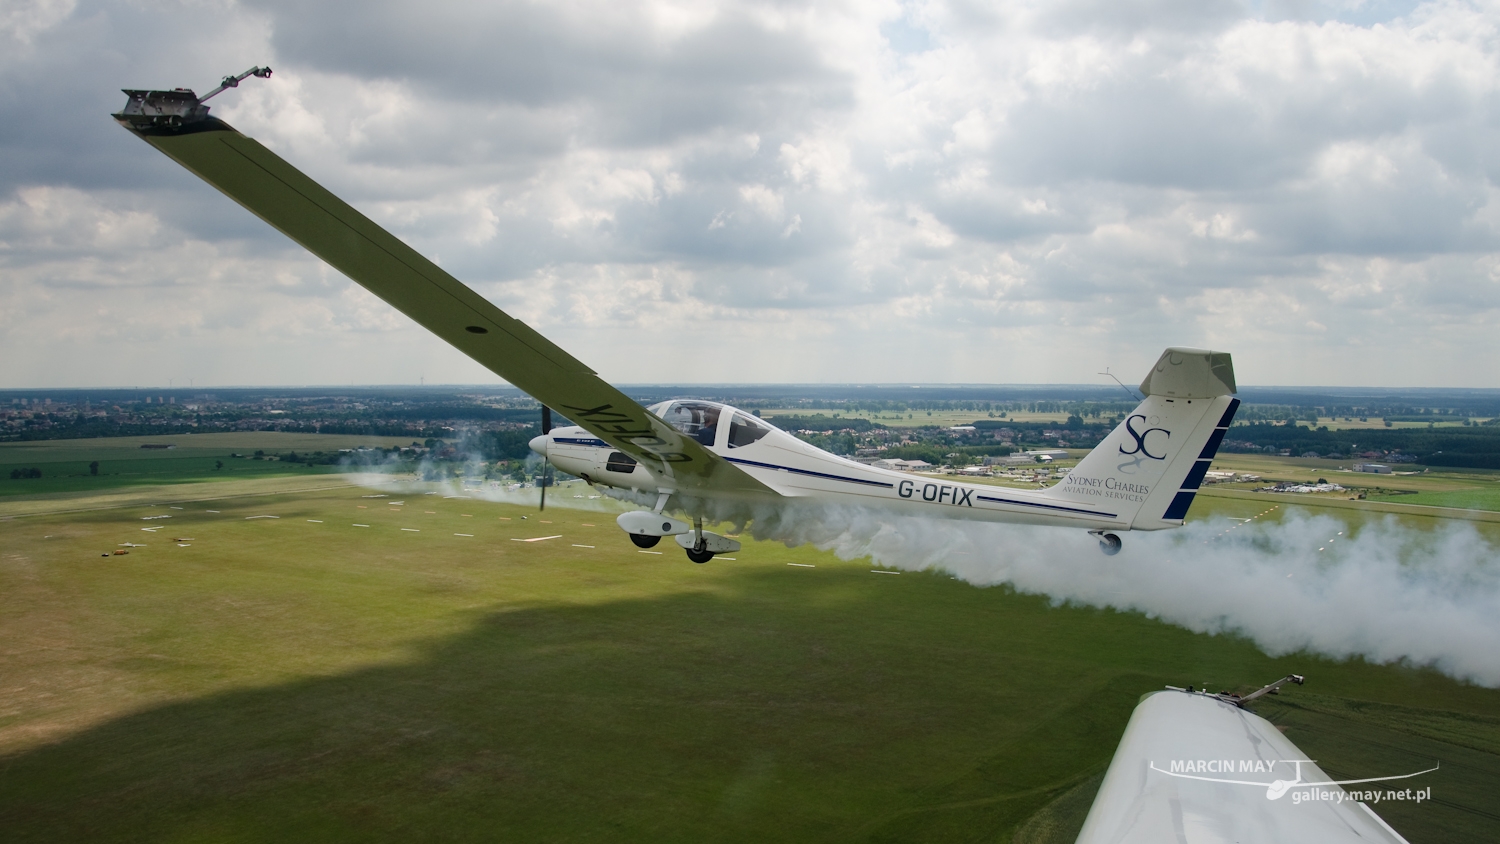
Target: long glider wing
x,y
1193,767
178,124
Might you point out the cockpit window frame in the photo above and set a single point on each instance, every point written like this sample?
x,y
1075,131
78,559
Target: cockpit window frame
x,y
759,426
694,429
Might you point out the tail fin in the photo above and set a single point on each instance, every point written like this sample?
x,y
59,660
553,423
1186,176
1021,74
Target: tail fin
x,y
1150,467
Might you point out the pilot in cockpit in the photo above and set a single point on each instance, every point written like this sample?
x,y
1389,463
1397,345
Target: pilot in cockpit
x,y
698,420
708,425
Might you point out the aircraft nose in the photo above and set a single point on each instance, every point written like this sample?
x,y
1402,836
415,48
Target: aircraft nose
x,y
538,444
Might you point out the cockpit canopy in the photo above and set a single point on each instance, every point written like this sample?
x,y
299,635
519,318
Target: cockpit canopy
x,y
701,421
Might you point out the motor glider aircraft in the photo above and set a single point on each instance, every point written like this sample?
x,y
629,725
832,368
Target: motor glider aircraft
x,y
701,460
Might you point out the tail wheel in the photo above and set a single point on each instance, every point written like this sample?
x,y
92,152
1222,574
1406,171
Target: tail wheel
x,y
1109,544
699,557
641,540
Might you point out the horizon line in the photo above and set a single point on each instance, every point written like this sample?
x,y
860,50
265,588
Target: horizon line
x,y
904,385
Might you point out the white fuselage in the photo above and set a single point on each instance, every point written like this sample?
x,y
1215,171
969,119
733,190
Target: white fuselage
x,y
799,472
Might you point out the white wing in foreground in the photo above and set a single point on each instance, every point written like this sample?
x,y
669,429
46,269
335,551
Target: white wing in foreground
x,y
1195,768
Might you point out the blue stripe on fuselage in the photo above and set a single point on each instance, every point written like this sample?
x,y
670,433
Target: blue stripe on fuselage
x,y
809,473
890,486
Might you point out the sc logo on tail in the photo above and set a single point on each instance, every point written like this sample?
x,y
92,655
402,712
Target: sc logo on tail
x,y
1140,451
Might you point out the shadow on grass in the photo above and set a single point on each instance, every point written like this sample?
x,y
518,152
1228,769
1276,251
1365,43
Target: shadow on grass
x,y
760,712
803,714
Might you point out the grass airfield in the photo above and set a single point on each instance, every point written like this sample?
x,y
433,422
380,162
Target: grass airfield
x,y
299,677
123,463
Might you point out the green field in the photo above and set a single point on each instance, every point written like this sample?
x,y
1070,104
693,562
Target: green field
x,y
1462,489
64,464
1480,498
285,679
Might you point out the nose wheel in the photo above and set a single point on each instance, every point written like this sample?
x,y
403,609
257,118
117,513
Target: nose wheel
x,y
641,540
698,551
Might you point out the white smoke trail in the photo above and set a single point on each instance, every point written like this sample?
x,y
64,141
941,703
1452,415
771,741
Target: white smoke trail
x,y
470,484
1386,592
1389,593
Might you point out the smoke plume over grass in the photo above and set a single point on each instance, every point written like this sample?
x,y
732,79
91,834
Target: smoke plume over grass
x,y
1388,593
425,476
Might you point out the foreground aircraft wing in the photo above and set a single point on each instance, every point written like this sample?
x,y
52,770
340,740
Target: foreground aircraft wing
x,y
1198,767
178,124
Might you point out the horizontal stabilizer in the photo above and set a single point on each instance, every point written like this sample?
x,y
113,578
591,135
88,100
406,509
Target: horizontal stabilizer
x,y
1190,374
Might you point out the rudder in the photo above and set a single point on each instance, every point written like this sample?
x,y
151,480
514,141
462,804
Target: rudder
x,y
1150,467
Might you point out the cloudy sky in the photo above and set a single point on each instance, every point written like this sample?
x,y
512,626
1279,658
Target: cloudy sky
x,y
773,192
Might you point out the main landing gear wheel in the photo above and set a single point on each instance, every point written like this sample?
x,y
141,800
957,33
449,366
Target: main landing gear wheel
x,y
641,540
1109,544
699,557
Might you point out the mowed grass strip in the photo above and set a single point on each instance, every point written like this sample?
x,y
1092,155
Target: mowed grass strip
x,y
194,458
293,679
1484,498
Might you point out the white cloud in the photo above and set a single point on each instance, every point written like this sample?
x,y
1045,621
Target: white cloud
x,y
23,20
959,177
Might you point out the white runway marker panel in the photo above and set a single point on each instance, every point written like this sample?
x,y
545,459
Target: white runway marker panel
x,y
1242,523
803,565
536,538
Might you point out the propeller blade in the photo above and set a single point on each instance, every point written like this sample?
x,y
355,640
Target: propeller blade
x,y
546,464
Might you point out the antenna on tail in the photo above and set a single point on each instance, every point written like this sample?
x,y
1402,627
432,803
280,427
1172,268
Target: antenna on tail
x,y
1127,390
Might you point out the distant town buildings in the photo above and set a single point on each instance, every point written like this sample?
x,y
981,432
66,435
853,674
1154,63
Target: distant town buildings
x,y
900,465
1226,477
